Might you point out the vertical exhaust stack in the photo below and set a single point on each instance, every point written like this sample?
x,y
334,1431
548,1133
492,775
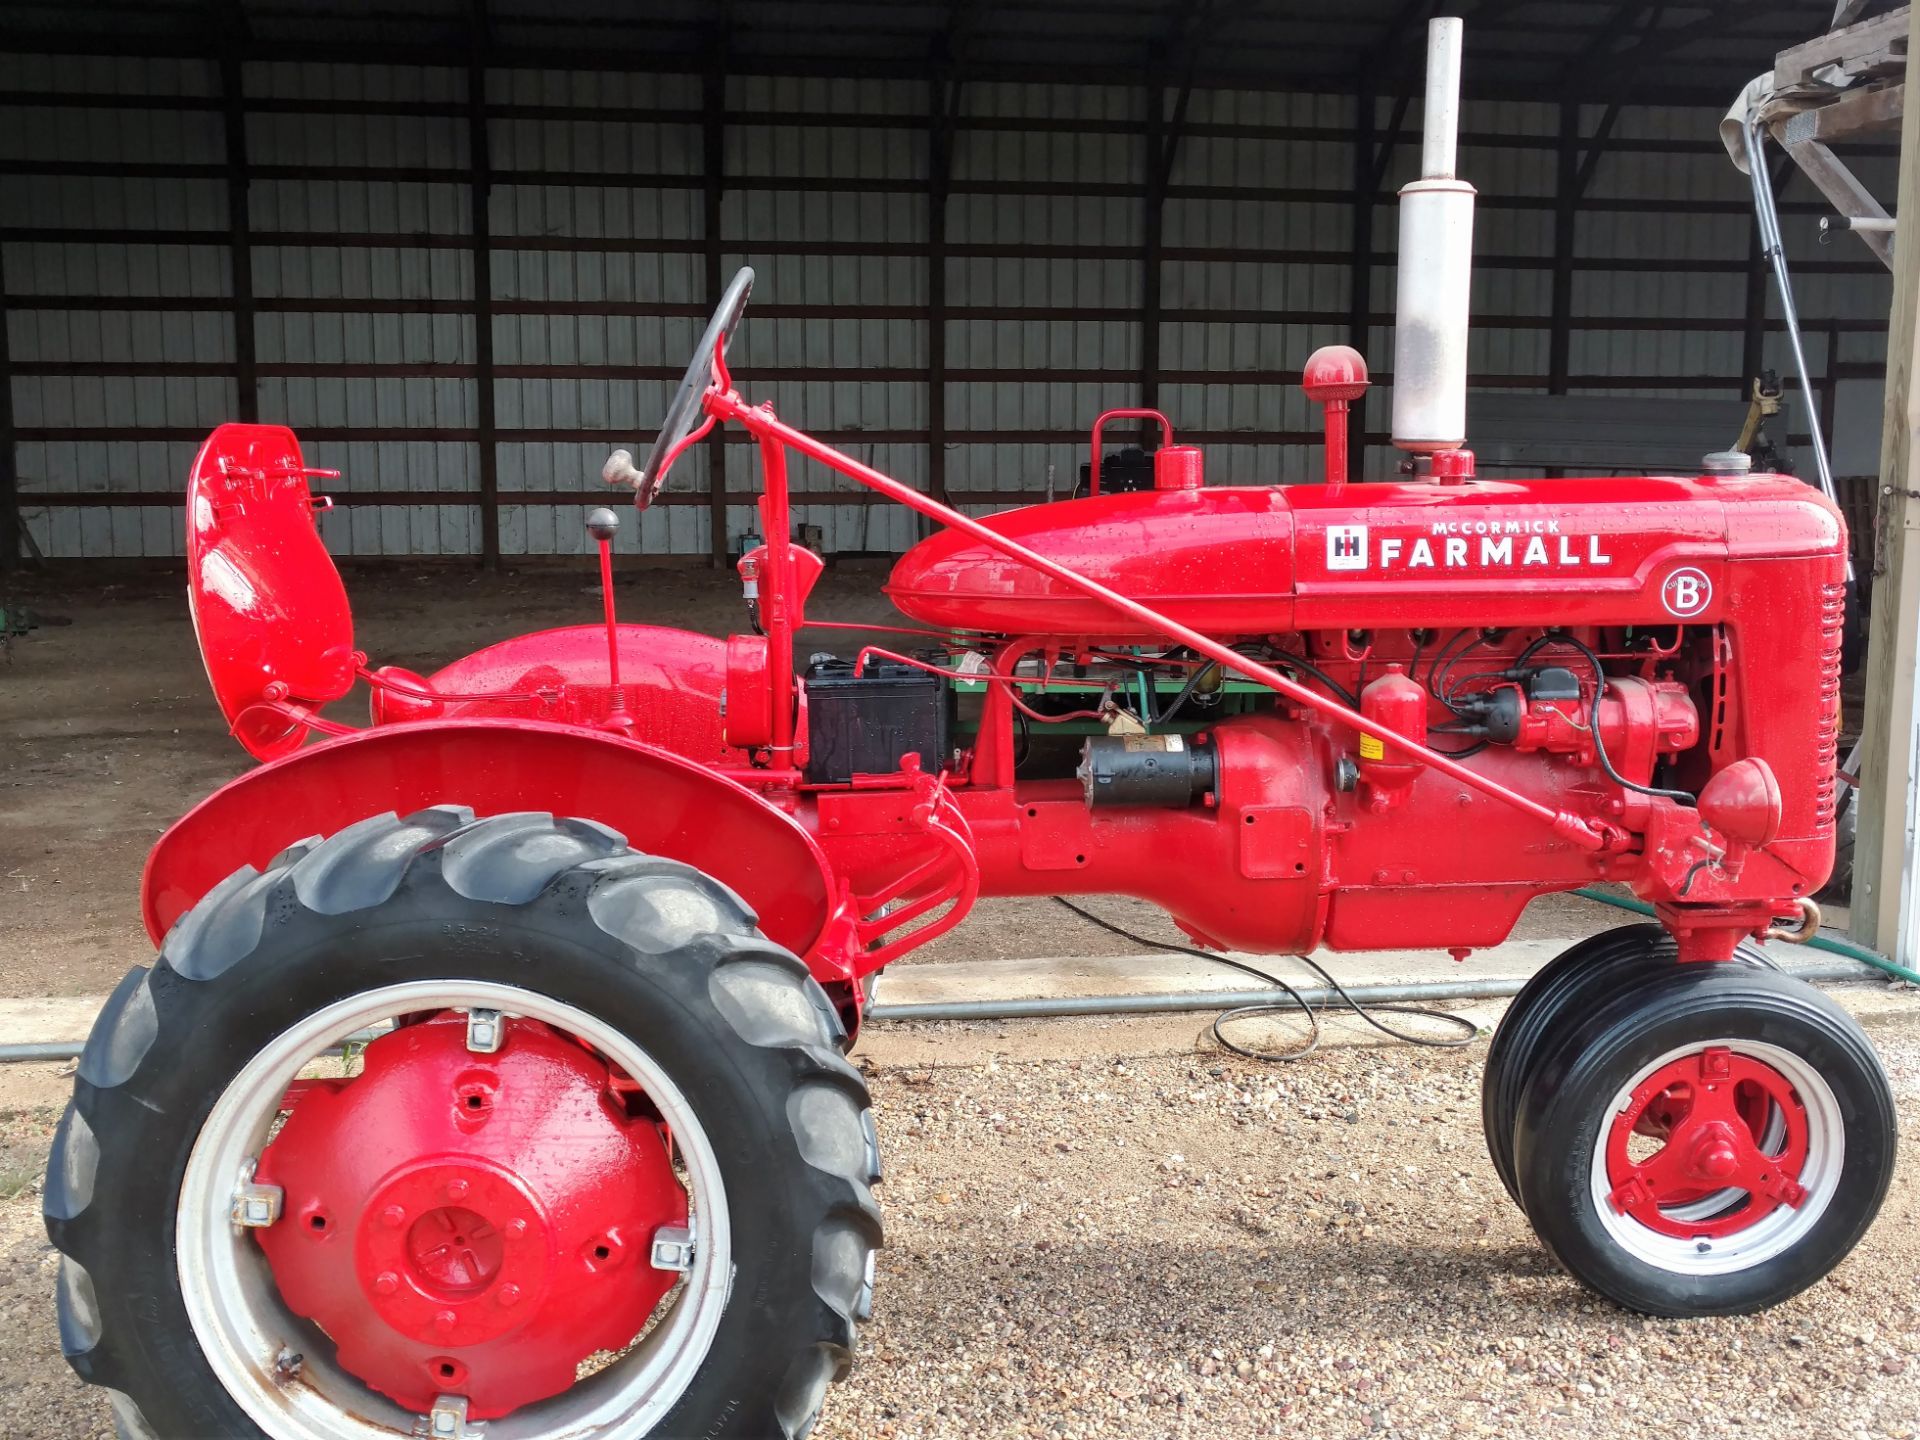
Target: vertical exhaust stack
x,y
1436,268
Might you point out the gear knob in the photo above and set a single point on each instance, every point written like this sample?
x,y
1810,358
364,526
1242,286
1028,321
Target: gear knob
x,y
619,470
603,524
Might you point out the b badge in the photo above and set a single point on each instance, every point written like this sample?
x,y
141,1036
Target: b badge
x,y
1686,593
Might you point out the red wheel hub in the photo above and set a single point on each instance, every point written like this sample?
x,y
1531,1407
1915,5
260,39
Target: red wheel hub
x,y
471,1223
1714,1114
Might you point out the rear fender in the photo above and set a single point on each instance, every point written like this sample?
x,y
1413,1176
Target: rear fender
x,y
664,805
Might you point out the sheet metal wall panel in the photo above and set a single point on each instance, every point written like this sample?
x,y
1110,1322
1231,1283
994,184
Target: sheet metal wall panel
x,y
817,199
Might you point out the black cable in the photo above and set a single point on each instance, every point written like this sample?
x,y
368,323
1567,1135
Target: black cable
x,y
1186,693
1600,744
1265,1007
1287,657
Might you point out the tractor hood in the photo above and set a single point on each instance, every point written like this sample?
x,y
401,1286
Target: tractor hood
x,y
268,605
1219,560
1232,561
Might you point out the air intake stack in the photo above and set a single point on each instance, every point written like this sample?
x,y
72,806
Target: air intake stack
x,y
1436,268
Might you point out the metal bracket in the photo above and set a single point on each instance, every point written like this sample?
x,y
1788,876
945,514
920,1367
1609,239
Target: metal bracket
x,y
256,1206
484,1031
448,1420
673,1249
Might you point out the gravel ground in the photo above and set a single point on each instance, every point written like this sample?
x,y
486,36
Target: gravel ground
x,y
1193,1245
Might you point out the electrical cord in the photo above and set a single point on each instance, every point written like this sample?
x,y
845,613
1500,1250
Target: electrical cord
x,y
1285,657
1599,741
1314,1034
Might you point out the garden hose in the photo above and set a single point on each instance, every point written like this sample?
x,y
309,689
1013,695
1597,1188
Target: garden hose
x,y
1818,942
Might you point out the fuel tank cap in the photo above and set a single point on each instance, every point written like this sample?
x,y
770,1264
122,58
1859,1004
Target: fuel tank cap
x,y
1726,462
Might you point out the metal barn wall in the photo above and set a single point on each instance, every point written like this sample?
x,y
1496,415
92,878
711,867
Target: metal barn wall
x,y
130,280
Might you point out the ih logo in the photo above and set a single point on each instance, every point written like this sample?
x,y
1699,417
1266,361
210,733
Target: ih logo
x,y
1686,593
1346,547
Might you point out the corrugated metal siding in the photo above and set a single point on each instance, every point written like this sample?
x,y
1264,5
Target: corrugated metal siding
x,y
364,284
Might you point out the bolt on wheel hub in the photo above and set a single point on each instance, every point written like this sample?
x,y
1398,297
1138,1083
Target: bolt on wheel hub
x,y
471,1221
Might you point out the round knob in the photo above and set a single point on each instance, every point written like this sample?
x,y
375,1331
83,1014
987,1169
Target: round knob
x,y
1334,372
603,524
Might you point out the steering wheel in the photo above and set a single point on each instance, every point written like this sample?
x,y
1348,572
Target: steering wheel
x,y
678,429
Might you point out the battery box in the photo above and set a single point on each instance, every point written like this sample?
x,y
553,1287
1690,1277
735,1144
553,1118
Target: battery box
x,y
866,724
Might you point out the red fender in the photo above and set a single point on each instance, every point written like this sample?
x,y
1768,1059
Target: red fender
x,y
662,803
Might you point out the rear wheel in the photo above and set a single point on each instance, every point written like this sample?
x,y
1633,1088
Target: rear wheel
x,y
1711,1144
593,1164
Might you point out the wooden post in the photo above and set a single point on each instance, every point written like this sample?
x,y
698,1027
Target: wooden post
x,y
479,190
12,528
1566,214
1884,860
1360,261
1150,235
240,238
713,131
942,101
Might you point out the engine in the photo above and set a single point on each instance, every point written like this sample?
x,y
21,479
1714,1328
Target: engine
x,y
1626,648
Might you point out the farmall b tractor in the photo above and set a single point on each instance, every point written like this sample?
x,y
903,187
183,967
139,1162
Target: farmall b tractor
x,y
595,911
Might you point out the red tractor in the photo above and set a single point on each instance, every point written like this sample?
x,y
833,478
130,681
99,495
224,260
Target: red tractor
x,y
594,912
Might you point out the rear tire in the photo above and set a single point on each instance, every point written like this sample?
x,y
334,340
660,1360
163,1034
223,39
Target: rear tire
x,y
647,948
1744,1248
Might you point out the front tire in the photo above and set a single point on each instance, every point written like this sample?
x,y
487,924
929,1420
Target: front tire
x,y
647,967
1710,1144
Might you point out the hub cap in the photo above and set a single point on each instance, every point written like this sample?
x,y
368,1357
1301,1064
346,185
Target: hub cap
x,y
462,1232
458,1212
1718,1157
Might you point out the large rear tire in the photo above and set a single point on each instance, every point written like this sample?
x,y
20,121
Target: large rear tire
x,y
652,968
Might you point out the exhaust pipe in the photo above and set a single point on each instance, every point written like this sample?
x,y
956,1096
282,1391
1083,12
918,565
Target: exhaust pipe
x,y
1436,268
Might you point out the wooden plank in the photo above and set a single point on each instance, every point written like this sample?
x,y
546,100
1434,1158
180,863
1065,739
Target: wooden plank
x,y
240,238
1844,190
11,529
1883,868
713,181
1860,49
1851,114
479,193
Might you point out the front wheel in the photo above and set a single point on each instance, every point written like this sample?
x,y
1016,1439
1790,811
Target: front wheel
x,y
1710,1143
442,1123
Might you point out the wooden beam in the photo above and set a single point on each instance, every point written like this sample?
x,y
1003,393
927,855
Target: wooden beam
x,y
943,122
1878,44
479,193
12,528
1853,113
1367,178
1565,219
240,236
1841,187
1884,876
1152,218
713,133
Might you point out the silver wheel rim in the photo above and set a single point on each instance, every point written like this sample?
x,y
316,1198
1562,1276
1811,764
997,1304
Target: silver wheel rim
x,y
242,1326
1771,1236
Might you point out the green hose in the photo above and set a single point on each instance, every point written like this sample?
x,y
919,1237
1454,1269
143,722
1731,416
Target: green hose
x,y
1818,942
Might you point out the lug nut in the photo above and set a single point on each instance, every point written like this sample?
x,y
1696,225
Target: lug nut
x,y
457,1189
445,1321
516,1229
509,1296
393,1217
386,1282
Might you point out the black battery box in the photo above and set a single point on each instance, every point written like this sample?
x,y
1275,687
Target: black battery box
x,y
866,724
1121,472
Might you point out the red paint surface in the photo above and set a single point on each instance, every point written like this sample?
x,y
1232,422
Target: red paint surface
x,y
1708,1113
470,1224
